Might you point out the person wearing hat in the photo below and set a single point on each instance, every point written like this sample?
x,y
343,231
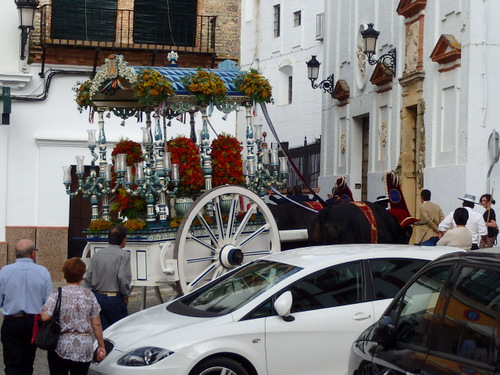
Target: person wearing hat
x,y
475,223
430,216
383,201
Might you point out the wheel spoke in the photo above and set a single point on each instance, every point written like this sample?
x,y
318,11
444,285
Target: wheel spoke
x,y
219,270
218,218
201,242
244,221
255,234
208,229
259,253
202,275
200,259
232,216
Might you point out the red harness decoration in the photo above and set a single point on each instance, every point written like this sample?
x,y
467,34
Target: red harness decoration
x,y
371,220
314,205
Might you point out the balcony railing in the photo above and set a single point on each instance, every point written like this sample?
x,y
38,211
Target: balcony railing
x,y
126,29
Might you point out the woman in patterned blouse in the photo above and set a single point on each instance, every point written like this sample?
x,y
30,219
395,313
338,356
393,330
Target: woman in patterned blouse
x,y
79,316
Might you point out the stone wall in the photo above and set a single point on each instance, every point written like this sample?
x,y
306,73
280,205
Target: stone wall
x,y
51,242
227,43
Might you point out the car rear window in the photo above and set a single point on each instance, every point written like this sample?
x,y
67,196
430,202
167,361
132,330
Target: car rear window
x,y
391,274
470,328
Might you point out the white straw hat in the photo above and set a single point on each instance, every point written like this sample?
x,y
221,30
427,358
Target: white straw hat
x,y
469,198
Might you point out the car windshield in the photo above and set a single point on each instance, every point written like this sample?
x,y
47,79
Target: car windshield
x,y
239,287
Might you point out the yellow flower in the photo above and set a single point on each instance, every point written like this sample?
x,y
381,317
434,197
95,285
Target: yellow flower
x,y
152,87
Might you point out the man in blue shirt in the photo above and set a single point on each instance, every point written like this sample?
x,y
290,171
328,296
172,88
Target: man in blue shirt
x,y
24,288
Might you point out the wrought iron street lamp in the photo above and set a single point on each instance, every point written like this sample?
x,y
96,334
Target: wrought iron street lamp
x,y
26,10
370,36
312,74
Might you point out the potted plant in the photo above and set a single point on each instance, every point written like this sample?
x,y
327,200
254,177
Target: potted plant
x,y
227,164
186,154
83,97
152,87
126,204
255,86
206,86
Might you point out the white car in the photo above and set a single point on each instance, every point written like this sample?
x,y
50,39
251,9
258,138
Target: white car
x,y
282,314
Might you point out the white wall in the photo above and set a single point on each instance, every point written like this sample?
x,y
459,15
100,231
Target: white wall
x,y
342,41
460,104
289,52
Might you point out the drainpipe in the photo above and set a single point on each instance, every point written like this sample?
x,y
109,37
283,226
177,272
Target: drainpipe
x,y
494,151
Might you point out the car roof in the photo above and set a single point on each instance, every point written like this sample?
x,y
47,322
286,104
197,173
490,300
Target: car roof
x,y
488,255
335,254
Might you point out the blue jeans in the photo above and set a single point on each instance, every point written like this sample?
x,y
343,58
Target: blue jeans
x,y
112,309
431,241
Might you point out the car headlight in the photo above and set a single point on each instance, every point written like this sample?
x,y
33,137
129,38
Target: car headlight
x,y
145,356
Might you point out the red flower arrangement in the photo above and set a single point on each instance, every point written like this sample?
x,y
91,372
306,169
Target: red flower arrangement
x,y
127,205
187,154
227,165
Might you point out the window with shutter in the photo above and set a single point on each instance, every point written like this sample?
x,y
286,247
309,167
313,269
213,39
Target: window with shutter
x,y
165,22
92,20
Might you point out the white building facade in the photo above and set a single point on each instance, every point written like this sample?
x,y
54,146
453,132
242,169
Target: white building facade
x,y
278,38
431,122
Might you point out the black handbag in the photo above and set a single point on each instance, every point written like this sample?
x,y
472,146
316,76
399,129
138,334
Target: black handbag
x,y
49,331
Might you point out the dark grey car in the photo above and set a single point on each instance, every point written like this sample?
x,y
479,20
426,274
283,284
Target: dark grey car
x,y
445,321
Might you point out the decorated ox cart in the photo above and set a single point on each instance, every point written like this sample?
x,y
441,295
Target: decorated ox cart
x,y
224,226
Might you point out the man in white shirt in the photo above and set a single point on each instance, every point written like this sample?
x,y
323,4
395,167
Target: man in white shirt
x,y
475,223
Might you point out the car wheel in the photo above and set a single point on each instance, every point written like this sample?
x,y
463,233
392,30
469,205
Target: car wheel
x,y
219,366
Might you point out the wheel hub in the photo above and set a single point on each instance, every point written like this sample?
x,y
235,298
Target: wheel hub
x,y
231,256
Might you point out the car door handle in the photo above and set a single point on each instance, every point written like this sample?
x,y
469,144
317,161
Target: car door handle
x,y
361,316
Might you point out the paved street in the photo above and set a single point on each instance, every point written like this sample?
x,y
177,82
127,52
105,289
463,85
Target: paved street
x,y
41,366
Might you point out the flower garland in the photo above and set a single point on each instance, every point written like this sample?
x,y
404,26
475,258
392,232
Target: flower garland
x,y
96,226
255,86
152,87
126,204
134,224
205,86
187,154
83,98
227,164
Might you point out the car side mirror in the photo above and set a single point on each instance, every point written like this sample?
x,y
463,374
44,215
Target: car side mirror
x,y
384,332
283,306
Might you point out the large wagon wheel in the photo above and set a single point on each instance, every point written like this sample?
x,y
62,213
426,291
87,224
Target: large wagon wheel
x,y
206,250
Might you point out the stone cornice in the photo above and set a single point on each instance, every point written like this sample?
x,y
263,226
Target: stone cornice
x,y
447,49
409,8
381,75
15,81
341,91
411,78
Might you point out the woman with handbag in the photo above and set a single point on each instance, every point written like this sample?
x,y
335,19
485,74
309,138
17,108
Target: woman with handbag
x,y
490,220
79,315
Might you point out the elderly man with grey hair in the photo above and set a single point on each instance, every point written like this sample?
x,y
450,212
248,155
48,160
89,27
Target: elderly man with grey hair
x,y
24,288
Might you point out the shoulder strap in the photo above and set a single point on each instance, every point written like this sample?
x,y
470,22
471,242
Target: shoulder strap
x,y
57,308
